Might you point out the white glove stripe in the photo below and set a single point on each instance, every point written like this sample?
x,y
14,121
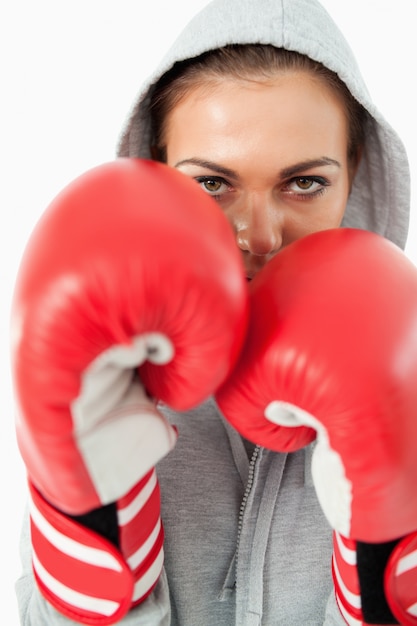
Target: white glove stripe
x,y
139,556
128,513
406,563
351,598
72,597
348,555
69,546
147,581
349,619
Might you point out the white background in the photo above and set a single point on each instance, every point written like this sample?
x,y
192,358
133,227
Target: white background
x,y
69,73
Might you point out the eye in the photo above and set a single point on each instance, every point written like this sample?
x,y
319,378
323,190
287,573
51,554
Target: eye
x,y
306,186
213,185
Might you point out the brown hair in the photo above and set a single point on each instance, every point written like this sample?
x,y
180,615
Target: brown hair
x,y
247,62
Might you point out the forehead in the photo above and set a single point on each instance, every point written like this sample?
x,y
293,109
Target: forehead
x,y
294,112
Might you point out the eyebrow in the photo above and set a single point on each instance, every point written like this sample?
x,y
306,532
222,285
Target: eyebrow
x,y
209,165
287,172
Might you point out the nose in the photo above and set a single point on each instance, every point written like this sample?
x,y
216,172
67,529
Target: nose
x,y
259,227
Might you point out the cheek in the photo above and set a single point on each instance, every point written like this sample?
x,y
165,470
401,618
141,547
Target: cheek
x,y
332,214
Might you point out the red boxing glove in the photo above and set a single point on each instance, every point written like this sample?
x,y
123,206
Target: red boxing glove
x,y
332,351
131,286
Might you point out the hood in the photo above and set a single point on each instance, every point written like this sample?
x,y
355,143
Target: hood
x,y
380,196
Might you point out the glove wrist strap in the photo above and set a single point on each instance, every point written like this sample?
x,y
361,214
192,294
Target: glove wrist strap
x,y
82,574
398,581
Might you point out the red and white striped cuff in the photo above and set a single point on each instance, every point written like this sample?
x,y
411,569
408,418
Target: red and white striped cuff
x,y
141,535
400,580
82,574
345,580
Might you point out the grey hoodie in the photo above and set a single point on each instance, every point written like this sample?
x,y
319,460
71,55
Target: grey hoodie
x,y
246,541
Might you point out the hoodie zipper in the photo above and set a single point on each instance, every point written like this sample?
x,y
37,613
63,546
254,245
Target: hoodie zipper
x,y
244,502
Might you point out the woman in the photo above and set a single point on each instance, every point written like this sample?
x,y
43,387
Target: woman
x,y
262,104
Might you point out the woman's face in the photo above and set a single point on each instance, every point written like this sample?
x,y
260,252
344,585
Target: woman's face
x,y
272,154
